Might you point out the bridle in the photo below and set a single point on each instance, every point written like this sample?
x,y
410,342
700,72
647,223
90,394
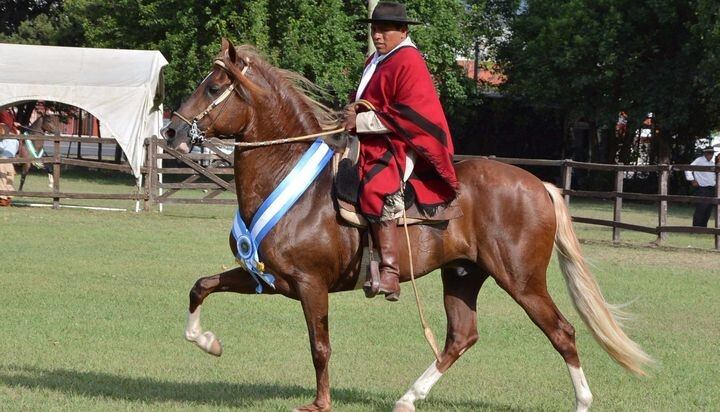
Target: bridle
x,y
197,136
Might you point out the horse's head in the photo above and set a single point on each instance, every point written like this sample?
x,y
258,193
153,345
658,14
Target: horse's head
x,y
45,123
221,104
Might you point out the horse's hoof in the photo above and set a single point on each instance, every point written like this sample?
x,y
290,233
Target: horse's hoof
x,y
393,297
207,342
403,406
215,348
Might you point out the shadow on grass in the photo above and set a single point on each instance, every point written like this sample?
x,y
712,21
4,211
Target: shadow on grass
x,y
228,394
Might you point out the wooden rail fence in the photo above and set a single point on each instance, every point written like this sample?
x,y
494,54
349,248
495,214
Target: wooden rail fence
x,y
661,198
212,172
57,161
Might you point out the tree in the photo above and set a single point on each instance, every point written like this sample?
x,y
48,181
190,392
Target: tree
x,y
442,38
595,59
38,22
15,12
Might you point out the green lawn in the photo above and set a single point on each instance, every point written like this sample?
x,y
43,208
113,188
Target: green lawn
x,y
94,307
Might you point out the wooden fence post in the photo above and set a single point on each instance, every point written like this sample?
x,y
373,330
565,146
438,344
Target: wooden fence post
x,y
717,207
56,173
617,206
662,204
149,170
566,180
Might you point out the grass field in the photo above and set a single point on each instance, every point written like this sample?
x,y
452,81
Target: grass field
x,y
94,307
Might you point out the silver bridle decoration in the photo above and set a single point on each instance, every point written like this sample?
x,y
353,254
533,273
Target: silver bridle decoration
x,y
196,135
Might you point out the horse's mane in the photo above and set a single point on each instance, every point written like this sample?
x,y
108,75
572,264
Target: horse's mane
x,y
302,88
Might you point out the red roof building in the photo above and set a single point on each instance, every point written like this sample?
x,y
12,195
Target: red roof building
x,y
485,76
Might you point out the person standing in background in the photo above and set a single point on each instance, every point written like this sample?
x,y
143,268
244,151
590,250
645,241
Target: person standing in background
x,y
703,184
8,149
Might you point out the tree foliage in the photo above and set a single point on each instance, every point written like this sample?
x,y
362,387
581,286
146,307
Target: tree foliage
x,y
37,22
595,59
15,12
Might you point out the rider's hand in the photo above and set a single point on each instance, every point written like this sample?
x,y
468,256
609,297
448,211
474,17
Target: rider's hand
x,y
349,116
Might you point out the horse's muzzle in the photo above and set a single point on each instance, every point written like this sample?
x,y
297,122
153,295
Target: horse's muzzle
x,y
176,135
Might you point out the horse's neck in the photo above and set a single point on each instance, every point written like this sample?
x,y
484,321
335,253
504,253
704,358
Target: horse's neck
x,y
258,171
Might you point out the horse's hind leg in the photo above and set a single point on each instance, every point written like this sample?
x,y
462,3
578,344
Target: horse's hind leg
x,y
234,280
537,303
460,297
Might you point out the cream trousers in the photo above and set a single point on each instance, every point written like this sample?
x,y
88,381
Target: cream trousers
x,y
7,177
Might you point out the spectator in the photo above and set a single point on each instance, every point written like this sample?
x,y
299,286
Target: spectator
x,y
704,185
8,150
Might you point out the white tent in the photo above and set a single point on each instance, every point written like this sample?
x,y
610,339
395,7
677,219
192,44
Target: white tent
x,y
118,87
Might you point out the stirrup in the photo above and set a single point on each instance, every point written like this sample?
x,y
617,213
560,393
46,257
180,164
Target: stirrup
x,y
371,287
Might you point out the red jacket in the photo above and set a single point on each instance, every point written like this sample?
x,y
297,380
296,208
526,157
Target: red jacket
x,y
406,102
7,118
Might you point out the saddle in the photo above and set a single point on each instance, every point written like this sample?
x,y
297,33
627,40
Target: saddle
x,y
346,186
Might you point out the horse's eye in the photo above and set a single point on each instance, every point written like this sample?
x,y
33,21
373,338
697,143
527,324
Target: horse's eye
x,y
213,89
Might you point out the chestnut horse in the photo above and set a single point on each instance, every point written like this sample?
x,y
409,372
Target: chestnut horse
x,y
46,123
511,222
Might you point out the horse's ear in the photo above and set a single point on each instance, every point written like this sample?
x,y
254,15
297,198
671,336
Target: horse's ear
x,y
228,50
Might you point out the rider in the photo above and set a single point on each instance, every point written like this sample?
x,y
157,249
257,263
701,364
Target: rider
x,y
8,149
406,133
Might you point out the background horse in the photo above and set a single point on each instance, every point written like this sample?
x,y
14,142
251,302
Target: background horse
x,y
510,225
46,123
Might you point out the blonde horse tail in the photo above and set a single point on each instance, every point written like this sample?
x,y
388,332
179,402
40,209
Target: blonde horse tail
x,y
600,317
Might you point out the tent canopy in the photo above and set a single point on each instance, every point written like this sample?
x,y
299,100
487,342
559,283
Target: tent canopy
x,y
118,87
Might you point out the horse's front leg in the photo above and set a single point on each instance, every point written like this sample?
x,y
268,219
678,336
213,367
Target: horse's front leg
x,y
234,280
314,298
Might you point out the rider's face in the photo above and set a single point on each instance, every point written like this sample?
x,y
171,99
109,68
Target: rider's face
x,y
386,35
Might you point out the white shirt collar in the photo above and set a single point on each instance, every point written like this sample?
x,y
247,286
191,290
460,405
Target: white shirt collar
x,y
376,59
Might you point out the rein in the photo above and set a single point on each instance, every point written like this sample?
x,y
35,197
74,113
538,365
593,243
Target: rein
x,y
306,137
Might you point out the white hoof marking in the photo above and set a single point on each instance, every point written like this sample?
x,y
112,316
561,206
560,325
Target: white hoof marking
x,y
419,389
583,396
204,340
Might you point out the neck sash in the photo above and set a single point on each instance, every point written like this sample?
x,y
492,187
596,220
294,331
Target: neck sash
x,y
312,162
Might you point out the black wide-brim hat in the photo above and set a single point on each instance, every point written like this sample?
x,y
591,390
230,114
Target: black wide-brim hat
x,y
389,12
